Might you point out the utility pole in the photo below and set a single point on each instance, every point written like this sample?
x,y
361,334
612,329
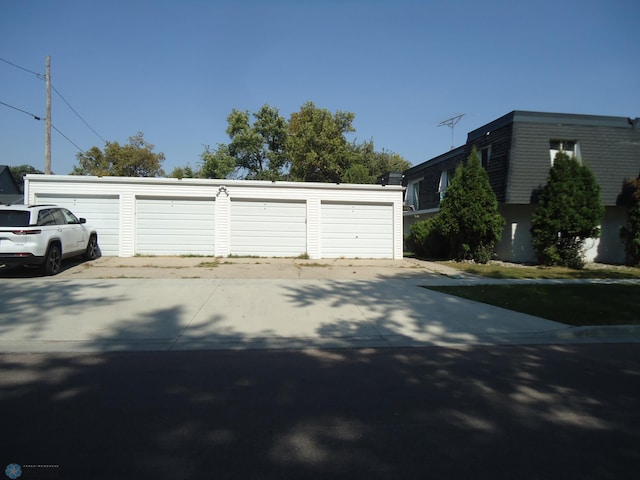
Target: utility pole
x,y
47,123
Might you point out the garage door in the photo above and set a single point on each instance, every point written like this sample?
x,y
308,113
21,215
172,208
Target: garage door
x,y
175,226
268,228
356,230
101,212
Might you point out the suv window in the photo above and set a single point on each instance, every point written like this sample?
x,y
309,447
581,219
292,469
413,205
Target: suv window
x,y
57,214
45,217
14,218
68,216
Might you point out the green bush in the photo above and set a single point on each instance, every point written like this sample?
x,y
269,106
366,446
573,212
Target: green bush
x,y
425,239
468,225
630,234
469,217
568,212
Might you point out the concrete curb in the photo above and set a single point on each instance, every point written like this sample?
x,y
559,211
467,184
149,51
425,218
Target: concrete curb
x,y
601,331
571,335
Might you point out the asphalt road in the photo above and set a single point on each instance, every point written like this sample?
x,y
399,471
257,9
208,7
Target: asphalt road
x,y
497,412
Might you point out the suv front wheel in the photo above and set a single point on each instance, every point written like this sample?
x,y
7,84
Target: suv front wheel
x,y
93,251
53,260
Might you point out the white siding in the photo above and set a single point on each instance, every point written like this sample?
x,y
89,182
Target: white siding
x,y
101,212
515,244
609,248
175,226
313,227
353,230
268,228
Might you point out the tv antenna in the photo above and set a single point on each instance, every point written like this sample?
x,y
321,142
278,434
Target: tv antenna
x,y
451,123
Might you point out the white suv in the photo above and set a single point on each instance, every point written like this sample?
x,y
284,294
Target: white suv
x,y
44,235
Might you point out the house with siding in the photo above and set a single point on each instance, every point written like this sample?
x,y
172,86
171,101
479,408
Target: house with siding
x,y
9,190
517,151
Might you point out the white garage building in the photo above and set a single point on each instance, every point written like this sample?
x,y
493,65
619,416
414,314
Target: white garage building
x,y
169,216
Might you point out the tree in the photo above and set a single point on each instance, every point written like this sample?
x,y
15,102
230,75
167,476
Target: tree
x,y
217,163
184,172
367,164
135,159
214,164
311,146
20,171
258,148
568,212
316,144
630,234
384,162
469,216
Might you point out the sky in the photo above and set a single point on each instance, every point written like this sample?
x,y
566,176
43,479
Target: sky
x,y
174,70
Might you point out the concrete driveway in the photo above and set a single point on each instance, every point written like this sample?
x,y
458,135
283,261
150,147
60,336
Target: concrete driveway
x,y
176,303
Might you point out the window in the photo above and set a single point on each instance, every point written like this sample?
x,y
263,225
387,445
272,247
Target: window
x,y
485,156
570,147
413,194
69,217
445,179
45,217
57,214
14,218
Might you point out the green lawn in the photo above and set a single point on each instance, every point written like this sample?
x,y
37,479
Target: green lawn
x,y
498,270
574,304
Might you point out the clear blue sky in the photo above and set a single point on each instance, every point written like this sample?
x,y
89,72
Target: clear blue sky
x,y
175,69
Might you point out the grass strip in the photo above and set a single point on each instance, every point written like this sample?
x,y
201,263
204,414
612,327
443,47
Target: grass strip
x,y
492,270
573,304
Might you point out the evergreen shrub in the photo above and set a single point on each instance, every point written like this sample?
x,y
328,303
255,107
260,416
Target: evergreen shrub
x,y
569,211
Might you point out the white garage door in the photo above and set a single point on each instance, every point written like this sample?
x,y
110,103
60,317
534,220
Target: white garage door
x,y
101,212
356,230
268,228
175,226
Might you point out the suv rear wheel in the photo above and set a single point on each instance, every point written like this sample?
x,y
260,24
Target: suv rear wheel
x,y
53,260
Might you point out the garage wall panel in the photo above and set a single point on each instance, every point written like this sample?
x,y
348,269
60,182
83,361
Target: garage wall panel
x,y
353,230
101,211
268,228
175,226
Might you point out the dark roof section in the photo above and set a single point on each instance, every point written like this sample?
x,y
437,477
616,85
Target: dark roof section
x,y
609,146
489,127
552,118
435,160
8,185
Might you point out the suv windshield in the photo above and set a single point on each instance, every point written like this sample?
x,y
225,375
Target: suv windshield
x,y
14,218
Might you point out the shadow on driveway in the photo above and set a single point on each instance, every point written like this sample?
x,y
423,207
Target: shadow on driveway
x,y
485,413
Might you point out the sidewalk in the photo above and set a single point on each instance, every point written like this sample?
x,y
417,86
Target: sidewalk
x,y
149,303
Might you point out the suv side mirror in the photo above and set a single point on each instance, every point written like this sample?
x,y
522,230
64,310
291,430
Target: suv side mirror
x,y
82,220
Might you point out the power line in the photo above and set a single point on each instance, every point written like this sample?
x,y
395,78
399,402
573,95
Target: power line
x,y
77,114
20,110
38,118
39,75
67,138
43,77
